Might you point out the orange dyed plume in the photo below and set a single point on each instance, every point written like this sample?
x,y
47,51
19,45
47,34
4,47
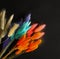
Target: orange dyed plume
x,y
21,39
32,28
37,35
41,27
29,34
33,45
23,46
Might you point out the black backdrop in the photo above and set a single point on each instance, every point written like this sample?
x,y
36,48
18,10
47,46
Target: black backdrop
x,y
42,11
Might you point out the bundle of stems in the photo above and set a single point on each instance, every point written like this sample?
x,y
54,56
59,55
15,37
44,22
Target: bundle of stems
x,y
28,36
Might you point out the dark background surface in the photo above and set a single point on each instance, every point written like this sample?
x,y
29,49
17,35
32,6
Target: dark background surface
x,y
42,11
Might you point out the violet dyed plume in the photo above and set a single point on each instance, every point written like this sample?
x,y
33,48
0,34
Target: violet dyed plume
x,y
6,42
27,19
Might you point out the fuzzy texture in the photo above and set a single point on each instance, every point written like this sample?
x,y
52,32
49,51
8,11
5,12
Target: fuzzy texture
x,y
29,36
